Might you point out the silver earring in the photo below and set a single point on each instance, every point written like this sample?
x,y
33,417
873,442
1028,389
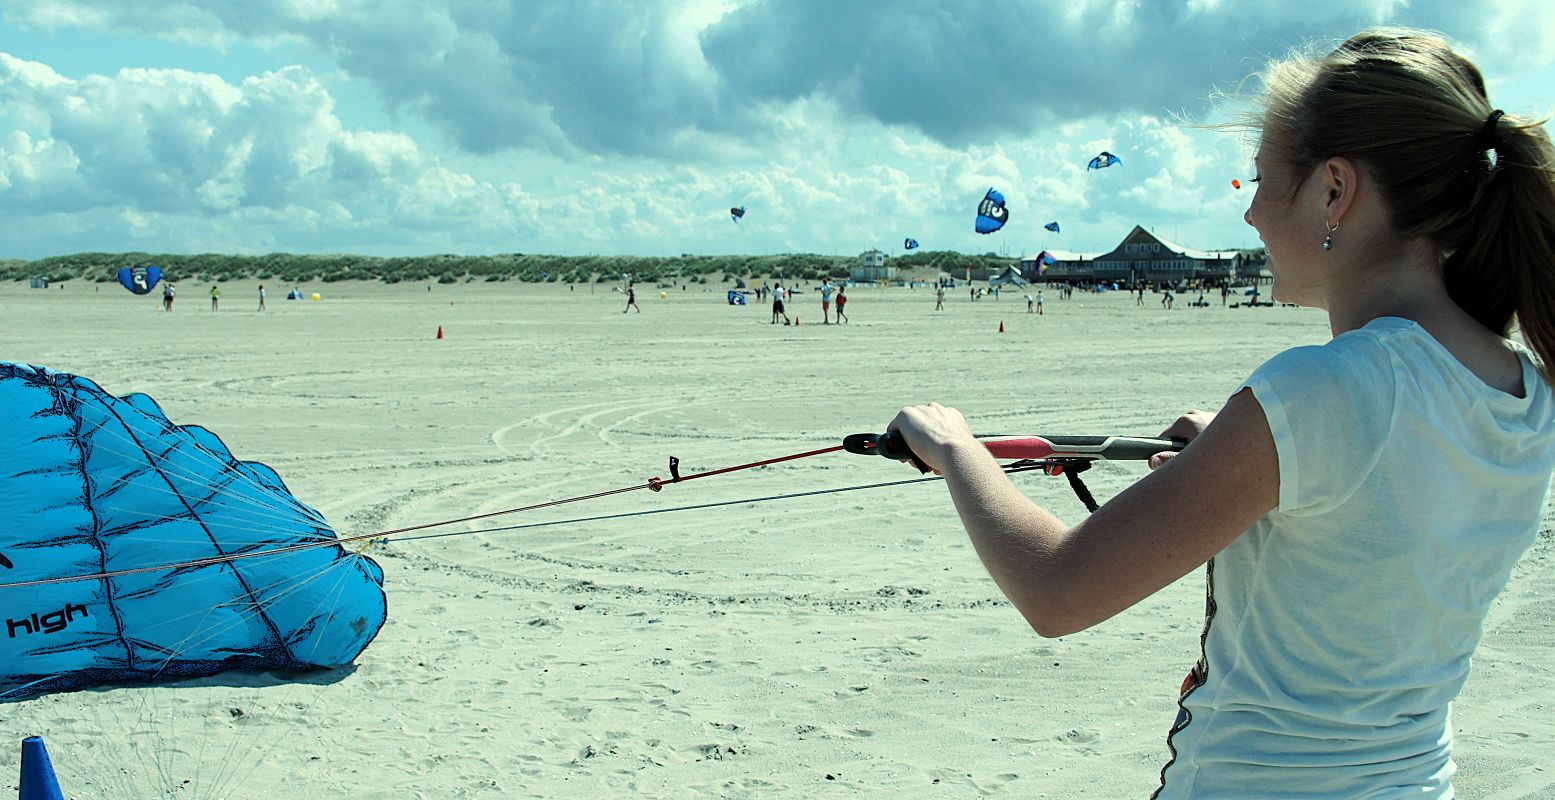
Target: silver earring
x,y
1328,241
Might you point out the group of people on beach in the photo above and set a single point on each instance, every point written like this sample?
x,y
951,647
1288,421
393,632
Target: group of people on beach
x,y
170,293
1372,493
780,296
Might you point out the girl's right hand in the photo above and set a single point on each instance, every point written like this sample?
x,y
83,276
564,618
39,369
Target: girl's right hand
x,y
1188,426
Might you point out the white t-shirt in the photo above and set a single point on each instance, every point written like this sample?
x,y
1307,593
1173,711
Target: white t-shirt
x,y
1339,627
826,290
778,294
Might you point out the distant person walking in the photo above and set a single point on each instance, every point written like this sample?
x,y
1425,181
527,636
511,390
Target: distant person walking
x,y
777,304
167,295
1223,292
215,297
826,290
1031,304
1139,299
631,299
1039,302
1166,299
842,301
261,297
939,298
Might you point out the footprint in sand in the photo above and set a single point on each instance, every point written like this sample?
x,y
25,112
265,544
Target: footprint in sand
x,y
1083,739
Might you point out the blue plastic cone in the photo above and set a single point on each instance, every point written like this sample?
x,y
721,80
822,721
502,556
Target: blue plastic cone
x,y
38,781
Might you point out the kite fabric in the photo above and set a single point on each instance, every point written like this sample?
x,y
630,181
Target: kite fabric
x,y
96,484
1009,277
1052,226
909,244
991,213
736,213
1102,161
141,278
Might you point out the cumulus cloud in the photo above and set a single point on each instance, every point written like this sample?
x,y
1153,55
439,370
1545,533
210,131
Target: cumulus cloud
x,y
630,126
174,144
622,76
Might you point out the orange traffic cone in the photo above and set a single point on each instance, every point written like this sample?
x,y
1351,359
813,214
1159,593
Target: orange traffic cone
x,y
439,331
1001,326
796,320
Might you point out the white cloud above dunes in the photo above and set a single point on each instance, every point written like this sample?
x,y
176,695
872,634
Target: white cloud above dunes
x,y
175,144
625,76
632,125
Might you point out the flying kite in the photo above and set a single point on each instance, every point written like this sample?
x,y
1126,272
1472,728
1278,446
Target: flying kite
x,y
136,549
735,214
1236,184
991,213
1102,161
141,278
1052,226
910,244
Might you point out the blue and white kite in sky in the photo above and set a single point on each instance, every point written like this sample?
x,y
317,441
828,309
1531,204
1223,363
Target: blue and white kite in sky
x,y
991,213
1102,161
909,243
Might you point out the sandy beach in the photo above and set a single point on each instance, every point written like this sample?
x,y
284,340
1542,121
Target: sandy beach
x,y
833,645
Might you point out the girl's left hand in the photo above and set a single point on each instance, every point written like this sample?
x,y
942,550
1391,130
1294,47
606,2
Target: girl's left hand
x,y
931,431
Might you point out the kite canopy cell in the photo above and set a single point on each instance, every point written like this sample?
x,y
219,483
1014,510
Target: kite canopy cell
x,y
1052,226
991,213
136,549
141,278
1103,160
909,244
736,213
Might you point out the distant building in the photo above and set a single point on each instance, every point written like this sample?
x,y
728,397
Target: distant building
x,y
1140,257
871,267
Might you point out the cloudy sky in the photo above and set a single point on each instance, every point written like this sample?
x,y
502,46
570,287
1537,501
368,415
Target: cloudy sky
x,y
403,127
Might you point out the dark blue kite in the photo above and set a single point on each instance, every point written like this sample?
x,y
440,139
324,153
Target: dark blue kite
x,y
141,278
991,213
736,213
134,549
1102,161
1052,226
910,244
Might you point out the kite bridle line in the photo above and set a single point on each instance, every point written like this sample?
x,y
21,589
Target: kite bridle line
x,y
1054,455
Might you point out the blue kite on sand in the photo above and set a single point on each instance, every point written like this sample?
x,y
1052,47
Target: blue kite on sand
x,y
135,549
141,278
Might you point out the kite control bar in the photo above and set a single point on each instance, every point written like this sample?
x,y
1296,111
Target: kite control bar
x,y
1055,455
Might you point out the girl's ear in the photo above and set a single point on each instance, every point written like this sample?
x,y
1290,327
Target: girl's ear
x,y
1340,182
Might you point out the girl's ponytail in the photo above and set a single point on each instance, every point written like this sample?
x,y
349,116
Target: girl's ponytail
x,y
1504,266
